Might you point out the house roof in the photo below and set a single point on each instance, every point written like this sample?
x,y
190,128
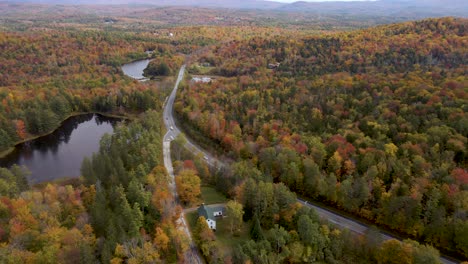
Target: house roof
x,y
208,212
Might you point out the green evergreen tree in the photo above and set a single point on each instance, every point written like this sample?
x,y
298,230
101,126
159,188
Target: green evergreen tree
x,y
256,232
5,140
137,194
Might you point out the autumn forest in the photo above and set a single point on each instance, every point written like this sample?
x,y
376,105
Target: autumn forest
x,y
363,117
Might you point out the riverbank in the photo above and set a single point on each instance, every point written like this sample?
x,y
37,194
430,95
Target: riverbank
x,y
64,181
144,58
126,116
7,151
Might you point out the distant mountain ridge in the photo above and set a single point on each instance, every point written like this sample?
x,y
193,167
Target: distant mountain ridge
x,y
419,8
405,8
242,4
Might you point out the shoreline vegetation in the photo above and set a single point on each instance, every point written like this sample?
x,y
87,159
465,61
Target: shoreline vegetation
x,y
62,181
66,179
125,116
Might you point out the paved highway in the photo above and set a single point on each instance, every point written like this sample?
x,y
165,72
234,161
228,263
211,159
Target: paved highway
x,y
174,131
332,217
353,225
192,255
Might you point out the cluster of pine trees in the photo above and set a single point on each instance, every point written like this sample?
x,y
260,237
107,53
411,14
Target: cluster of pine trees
x,y
124,211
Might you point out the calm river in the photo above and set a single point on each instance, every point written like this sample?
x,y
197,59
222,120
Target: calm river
x,y
60,154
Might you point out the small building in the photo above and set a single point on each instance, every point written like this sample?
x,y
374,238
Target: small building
x,y
273,65
210,214
201,79
108,21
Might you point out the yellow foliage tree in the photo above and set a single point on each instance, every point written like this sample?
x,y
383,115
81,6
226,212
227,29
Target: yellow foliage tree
x,y
188,186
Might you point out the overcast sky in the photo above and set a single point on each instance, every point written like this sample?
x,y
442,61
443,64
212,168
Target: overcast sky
x,y
291,1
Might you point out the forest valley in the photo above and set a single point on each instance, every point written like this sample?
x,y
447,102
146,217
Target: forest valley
x,y
370,121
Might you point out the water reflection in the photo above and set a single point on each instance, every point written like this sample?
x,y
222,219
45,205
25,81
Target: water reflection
x,y
60,154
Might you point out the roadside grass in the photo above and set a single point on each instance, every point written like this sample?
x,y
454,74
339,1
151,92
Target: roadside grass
x,y
191,218
205,70
211,196
198,69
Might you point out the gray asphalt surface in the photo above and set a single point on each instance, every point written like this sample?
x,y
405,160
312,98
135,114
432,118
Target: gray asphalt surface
x,y
192,255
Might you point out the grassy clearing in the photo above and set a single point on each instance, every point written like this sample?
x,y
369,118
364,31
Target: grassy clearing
x,y
211,196
227,240
223,234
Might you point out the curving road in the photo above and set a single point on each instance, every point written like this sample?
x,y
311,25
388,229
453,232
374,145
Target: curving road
x,y
353,225
174,131
334,218
191,255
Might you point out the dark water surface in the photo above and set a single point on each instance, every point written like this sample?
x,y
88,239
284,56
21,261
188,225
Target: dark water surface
x,y
60,154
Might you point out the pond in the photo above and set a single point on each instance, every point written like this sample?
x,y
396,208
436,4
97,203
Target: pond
x,y
135,69
61,153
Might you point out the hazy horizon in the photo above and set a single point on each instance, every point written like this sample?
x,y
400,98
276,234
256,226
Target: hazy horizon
x,y
292,1
400,9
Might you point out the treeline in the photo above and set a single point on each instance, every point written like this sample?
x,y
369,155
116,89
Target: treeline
x,y
280,229
40,115
46,76
163,66
283,231
46,226
54,72
13,181
387,49
133,211
124,213
385,140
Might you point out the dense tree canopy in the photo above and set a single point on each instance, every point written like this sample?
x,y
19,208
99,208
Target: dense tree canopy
x,y
125,211
373,121
46,76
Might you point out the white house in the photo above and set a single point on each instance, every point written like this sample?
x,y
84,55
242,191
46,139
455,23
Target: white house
x,y
211,223
210,214
201,79
218,213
